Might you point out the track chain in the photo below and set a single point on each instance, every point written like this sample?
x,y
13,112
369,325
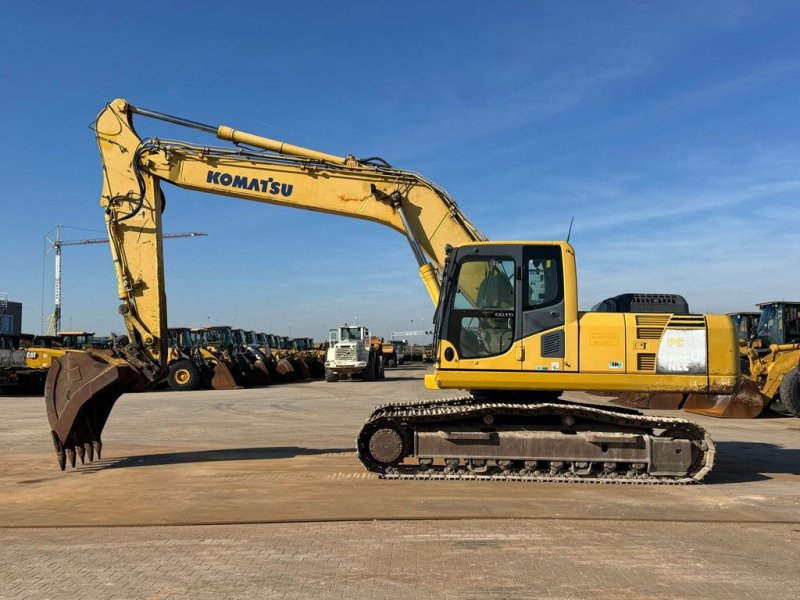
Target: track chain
x,y
430,412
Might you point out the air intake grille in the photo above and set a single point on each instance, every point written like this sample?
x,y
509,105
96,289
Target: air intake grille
x,y
650,327
646,362
553,344
687,322
347,353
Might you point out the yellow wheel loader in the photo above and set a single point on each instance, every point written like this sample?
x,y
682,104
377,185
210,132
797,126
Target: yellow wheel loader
x,y
772,357
191,365
507,326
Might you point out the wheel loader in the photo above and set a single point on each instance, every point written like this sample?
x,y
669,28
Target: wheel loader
x,y
192,366
353,354
772,356
314,359
507,329
258,370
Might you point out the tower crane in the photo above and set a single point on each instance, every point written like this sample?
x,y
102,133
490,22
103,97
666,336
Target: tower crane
x,y
54,325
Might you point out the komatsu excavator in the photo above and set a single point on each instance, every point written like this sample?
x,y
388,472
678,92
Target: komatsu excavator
x,y
507,326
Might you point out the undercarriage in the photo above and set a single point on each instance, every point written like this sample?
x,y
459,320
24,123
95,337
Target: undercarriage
x,y
466,438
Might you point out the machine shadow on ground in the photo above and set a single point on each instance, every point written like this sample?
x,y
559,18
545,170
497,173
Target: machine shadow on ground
x,y
743,462
202,456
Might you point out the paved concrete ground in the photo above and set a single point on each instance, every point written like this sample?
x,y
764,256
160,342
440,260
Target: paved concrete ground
x,y
260,461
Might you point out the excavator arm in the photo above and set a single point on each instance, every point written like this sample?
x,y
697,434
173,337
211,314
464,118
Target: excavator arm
x,y
82,388
258,169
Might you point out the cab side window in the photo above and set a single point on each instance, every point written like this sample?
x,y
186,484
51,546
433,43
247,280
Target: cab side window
x,y
543,278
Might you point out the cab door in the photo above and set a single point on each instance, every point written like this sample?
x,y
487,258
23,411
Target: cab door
x,y
542,316
482,331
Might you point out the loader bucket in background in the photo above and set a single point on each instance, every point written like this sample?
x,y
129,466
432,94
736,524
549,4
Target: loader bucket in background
x,y
80,392
264,378
221,377
746,402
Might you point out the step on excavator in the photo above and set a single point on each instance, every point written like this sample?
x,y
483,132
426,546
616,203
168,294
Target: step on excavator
x,y
507,326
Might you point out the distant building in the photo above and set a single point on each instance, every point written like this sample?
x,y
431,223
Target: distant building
x,y
10,316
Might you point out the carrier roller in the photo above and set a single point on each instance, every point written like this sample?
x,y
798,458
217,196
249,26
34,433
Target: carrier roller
x,y
465,438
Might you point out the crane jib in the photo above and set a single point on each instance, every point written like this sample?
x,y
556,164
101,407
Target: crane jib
x,y
266,186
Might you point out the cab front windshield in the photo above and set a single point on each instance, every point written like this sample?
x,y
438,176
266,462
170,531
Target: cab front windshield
x,y
349,333
483,307
222,336
769,325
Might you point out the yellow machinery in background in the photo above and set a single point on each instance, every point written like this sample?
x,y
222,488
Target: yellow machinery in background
x,y
772,355
507,325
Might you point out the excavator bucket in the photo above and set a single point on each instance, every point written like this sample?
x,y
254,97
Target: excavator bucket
x,y
746,402
80,392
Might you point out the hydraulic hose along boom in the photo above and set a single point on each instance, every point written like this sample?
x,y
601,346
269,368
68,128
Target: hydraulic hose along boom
x,y
507,324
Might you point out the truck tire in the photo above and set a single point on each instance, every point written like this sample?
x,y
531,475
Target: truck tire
x,y
368,374
183,376
330,376
790,391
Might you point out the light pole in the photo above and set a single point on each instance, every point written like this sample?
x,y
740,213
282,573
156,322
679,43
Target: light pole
x,y
411,353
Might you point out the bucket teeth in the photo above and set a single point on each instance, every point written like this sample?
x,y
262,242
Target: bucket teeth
x,y
89,450
60,456
98,448
79,449
71,457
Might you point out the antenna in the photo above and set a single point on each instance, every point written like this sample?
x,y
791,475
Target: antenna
x,y
569,233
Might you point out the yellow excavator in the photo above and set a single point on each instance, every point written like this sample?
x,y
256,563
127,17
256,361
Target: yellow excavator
x,y
507,326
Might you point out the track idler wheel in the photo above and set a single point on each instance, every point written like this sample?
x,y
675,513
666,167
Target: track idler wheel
x,y
80,392
381,446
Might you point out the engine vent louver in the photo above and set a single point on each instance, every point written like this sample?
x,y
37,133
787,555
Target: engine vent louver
x,y
646,362
687,322
650,327
553,344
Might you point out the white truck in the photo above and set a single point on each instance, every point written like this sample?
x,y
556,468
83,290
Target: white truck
x,y
352,353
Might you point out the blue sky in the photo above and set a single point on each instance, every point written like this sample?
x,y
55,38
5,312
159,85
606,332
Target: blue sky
x,y
669,130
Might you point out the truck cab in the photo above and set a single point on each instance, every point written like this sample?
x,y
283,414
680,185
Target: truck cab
x,y
350,354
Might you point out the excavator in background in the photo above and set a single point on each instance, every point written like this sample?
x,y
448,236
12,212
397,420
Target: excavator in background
x,y
507,326
43,349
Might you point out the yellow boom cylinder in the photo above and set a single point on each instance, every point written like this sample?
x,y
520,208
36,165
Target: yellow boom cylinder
x,y
241,137
428,275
